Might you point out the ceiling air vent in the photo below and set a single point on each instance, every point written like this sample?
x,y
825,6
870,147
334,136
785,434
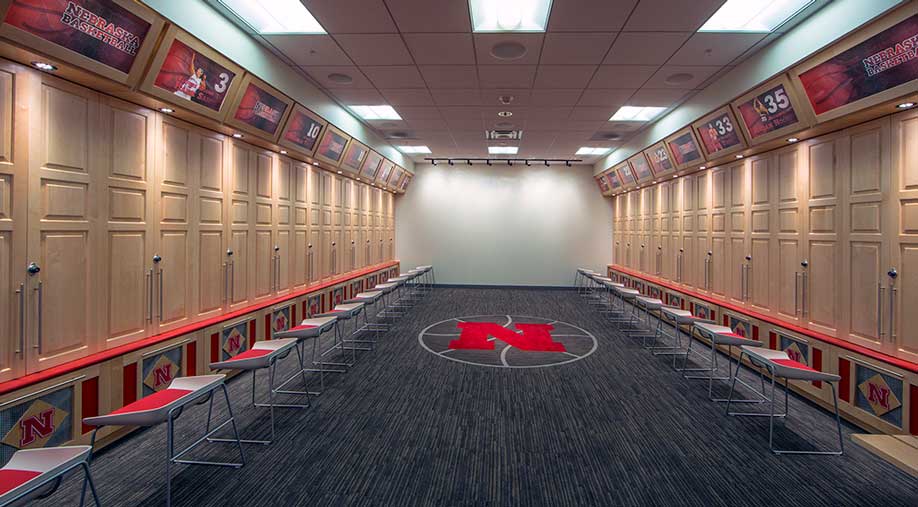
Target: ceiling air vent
x,y
503,135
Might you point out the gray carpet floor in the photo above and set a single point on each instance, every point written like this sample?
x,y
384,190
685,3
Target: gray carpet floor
x,y
406,427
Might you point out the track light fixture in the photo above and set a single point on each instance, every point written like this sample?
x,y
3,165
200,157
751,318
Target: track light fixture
x,y
450,161
434,162
547,164
488,162
469,161
527,163
509,162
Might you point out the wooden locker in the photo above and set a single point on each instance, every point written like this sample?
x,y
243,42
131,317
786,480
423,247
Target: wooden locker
x,y
133,208
900,320
64,235
207,152
263,262
314,271
14,168
736,265
762,239
701,268
300,226
789,190
720,181
241,202
284,225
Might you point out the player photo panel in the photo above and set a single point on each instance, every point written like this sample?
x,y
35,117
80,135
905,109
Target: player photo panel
x,y
331,147
302,130
259,109
771,111
719,134
684,148
385,169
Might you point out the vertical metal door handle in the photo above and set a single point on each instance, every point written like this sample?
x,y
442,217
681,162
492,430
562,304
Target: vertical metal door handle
x,y
39,291
232,278
796,293
892,313
804,283
880,290
160,294
21,293
149,277
225,283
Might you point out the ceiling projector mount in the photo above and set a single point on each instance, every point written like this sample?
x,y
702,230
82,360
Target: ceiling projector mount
x,y
509,161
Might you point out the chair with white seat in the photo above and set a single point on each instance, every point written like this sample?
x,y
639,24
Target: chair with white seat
x,y
626,296
779,364
32,474
580,279
308,329
677,318
165,407
262,355
370,299
345,312
387,311
644,328
430,274
723,336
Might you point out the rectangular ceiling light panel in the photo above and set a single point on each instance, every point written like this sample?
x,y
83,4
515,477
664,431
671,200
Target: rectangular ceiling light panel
x,y
586,150
637,113
503,150
509,15
411,150
383,112
274,16
757,16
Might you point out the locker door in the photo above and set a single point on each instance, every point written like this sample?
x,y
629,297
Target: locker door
x,y
789,187
314,271
132,208
867,198
702,238
242,223
761,239
719,264
325,250
737,233
662,249
264,262
13,189
900,321
64,189
688,265
821,287
301,225
211,212
284,181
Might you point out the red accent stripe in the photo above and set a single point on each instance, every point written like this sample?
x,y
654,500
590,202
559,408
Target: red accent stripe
x,y
191,359
215,347
726,321
129,384
305,309
844,385
268,319
253,330
12,479
101,357
292,314
155,400
817,365
755,332
773,340
913,410
879,356
90,398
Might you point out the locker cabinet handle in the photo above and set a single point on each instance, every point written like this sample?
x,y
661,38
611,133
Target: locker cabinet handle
x,y
805,281
892,313
21,293
160,295
225,283
796,292
148,277
232,278
880,290
39,291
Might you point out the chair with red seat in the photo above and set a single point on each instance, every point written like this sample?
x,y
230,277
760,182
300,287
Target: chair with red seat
x,y
779,364
309,329
344,312
165,407
723,336
32,474
262,355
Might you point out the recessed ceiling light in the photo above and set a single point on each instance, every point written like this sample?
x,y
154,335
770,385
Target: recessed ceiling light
x,y
761,16
654,181
340,172
383,112
675,176
505,114
237,135
703,167
637,113
45,66
739,156
503,150
509,15
792,139
413,149
283,152
508,50
166,110
337,77
587,150
679,78
274,16
906,105
358,179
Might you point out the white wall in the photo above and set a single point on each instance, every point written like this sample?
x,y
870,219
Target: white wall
x,y
503,225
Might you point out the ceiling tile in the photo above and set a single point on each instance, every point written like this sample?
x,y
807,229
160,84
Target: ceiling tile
x,y
485,42
394,76
358,96
431,15
456,97
351,16
388,124
441,48
693,76
645,48
506,76
310,49
418,112
541,114
585,125
321,75
555,97
680,15
589,15
460,112
716,49
450,76
375,49
564,76
436,137
605,97
430,124
622,76
575,48
659,97
591,113
407,97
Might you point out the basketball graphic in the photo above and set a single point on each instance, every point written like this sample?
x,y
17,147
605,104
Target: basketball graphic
x,y
302,130
260,109
507,341
191,76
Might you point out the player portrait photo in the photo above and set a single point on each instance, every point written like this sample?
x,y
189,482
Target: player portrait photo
x,y
303,130
260,109
684,149
767,112
640,167
191,76
384,171
332,145
719,134
100,30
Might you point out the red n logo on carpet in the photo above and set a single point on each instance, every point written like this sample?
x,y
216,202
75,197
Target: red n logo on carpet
x,y
534,337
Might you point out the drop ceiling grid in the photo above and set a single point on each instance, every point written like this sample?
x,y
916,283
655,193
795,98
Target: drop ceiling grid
x,y
448,105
